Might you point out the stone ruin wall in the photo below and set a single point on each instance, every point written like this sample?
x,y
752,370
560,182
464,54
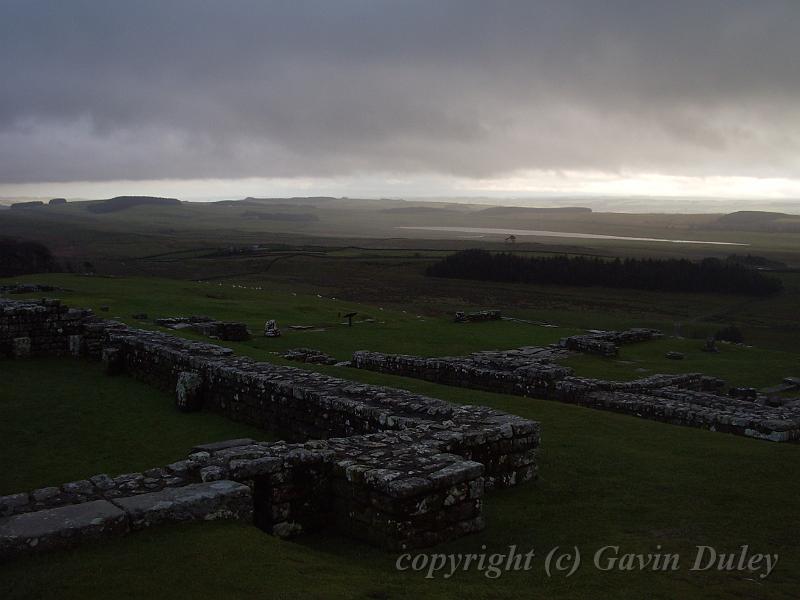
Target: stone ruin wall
x,y
606,343
393,468
536,382
685,399
302,405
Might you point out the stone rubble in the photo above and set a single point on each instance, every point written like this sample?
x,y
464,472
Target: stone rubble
x,y
28,288
482,315
309,355
221,330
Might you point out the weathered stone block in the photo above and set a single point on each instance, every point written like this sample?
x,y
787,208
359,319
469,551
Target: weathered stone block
x,y
224,445
189,391
75,344
112,359
102,482
195,502
45,494
82,487
457,473
21,347
287,529
249,468
13,503
213,473
60,527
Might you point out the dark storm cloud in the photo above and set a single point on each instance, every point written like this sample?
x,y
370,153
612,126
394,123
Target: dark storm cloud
x,y
191,88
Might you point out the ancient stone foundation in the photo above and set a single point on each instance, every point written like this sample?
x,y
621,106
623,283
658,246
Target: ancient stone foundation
x,y
396,469
606,343
309,355
687,399
222,330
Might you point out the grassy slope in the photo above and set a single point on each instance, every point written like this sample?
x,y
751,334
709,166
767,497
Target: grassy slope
x,y
604,479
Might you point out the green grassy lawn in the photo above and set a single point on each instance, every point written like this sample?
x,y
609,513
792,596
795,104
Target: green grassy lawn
x,y
397,331
389,330
62,420
770,322
738,365
605,479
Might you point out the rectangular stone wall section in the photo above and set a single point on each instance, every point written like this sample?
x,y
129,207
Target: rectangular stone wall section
x,y
300,405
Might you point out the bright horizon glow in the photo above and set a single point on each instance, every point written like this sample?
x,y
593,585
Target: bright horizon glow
x,y
661,193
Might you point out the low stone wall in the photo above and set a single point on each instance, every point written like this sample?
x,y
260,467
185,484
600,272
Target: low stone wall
x,y
684,399
394,468
606,343
69,525
480,372
38,329
699,409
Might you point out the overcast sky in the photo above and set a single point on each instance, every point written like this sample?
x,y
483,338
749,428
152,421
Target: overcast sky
x,y
428,97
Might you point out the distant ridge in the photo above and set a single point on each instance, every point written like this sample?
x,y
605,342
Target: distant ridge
x,y
119,203
417,209
31,204
756,220
514,210
294,199
749,217
287,202
289,217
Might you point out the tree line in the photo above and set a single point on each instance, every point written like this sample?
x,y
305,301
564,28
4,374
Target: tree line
x,y
19,257
669,275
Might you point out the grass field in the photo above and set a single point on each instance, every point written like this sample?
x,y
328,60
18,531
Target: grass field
x,y
605,479
63,420
398,331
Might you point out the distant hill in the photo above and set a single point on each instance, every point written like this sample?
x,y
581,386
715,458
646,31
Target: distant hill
x,y
756,220
125,202
31,204
288,217
749,217
240,203
414,210
517,210
276,202
294,199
